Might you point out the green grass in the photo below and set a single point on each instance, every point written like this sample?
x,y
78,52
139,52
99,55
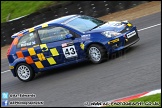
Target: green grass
x,y
21,8
147,101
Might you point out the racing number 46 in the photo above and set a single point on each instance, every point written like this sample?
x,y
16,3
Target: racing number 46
x,y
70,51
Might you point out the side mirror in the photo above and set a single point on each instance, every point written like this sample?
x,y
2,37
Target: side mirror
x,y
69,36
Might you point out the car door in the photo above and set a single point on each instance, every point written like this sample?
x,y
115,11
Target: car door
x,y
72,47
79,45
56,47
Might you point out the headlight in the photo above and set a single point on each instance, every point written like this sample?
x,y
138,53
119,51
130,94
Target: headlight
x,y
110,33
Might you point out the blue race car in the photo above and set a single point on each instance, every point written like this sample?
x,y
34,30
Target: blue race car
x,y
66,40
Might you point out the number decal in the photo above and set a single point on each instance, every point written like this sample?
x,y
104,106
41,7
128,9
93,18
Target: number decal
x,y
69,51
72,50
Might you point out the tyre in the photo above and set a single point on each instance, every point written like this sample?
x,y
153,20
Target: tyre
x,y
96,53
24,72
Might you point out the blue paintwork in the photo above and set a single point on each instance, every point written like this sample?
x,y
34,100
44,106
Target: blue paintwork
x,y
87,38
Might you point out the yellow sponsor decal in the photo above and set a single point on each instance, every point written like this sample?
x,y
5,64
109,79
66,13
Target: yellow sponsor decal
x,y
129,24
51,61
82,46
44,25
113,41
39,57
43,56
31,51
42,46
31,29
39,64
11,67
54,52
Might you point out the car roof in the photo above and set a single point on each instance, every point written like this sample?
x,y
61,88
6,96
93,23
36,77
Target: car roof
x,y
59,20
55,21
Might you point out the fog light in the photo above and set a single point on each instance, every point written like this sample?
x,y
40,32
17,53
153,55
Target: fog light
x,y
115,46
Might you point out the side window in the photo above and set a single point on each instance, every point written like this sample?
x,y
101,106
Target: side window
x,y
52,34
28,40
75,34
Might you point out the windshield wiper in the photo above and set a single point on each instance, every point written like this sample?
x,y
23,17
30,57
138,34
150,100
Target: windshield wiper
x,y
96,26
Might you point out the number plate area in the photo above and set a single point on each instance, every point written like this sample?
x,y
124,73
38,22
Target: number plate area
x,y
70,52
129,35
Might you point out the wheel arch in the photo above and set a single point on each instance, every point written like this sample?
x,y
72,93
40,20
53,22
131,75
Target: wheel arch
x,y
103,52
88,45
18,64
27,77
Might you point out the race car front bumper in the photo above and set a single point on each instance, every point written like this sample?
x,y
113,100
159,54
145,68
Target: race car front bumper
x,y
127,39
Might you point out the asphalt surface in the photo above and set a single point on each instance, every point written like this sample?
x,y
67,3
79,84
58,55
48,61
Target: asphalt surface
x,y
138,70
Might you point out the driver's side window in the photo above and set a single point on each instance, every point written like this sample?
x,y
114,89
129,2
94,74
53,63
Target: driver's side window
x,y
51,34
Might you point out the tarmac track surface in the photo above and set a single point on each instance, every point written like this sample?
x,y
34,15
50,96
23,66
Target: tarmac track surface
x,y
138,70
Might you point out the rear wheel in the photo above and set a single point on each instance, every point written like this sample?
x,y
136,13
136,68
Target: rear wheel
x,y
96,53
24,72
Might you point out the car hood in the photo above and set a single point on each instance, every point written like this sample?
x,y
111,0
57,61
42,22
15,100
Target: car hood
x,y
116,26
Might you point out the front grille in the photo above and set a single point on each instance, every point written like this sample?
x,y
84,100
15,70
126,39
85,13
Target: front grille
x,y
132,39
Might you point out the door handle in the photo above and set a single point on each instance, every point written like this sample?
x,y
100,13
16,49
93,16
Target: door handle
x,y
44,48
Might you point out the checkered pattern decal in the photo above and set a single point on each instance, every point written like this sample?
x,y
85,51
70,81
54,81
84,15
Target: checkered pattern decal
x,y
35,55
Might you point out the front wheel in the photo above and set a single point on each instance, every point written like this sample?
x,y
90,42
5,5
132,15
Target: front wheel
x,y
96,53
24,72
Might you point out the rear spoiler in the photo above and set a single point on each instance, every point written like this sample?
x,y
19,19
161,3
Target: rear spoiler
x,y
16,34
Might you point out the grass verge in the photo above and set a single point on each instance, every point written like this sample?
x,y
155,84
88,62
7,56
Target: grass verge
x,y
14,9
147,101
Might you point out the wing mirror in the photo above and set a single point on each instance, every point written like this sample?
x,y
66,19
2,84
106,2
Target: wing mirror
x,y
69,36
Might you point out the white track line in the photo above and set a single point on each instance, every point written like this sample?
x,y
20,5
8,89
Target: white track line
x,y
138,30
5,71
149,27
